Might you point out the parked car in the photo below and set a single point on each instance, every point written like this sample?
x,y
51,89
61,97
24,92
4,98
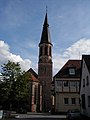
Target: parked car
x,y
73,114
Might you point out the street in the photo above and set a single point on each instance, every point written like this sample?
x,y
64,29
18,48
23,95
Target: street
x,y
39,117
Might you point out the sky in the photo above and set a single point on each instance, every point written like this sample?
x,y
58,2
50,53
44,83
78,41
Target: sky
x,y
21,23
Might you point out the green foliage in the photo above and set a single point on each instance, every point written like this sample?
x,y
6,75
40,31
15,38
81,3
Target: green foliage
x,y
14,87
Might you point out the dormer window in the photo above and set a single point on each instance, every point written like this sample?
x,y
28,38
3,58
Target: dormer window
x,y
71,71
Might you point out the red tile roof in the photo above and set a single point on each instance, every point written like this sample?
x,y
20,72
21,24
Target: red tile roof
x,y
32,75
34,79
64,71
33,72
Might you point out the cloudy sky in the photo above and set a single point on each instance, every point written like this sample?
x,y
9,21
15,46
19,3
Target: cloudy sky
x,y
21,23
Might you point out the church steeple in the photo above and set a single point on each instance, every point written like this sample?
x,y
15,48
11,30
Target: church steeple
x,y
45,66
45,37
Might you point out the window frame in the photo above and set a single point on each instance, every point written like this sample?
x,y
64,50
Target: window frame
x,y
58,83
46,50
73,84
83,82
41,51
66,83
88,101
87,80
73,101
66,101
71,71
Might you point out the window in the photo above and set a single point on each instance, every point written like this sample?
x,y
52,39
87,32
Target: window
x,y
40,90
46,50
87,80
50,51
83,101
40,51
35,90
44,83
65,101
59,83
73,101
66,83
73,84
88,101
71,71
78,83
83,82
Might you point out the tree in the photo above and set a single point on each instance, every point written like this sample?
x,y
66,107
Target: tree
x,y
14,87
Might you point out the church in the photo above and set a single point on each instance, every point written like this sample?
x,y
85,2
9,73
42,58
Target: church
x,y
58,93
40,86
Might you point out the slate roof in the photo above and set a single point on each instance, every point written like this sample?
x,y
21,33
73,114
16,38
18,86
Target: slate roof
x,y
87,61
64,71
45,37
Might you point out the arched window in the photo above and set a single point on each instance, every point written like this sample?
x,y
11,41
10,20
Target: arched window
x,y
50,50
40,52
87,80
46,50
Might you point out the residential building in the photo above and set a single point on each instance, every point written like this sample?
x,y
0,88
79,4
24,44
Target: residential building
x,y
67,87
85,85
35,92
45,66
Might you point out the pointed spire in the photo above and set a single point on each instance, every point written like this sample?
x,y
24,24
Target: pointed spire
x,y
45,38
46,21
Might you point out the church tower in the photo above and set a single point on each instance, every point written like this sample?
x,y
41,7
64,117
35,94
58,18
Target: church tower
x,y
45,66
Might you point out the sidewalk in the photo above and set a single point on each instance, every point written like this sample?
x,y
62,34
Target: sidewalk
x,y
41,115
37,113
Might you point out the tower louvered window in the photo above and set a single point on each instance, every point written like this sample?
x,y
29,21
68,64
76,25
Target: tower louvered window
x,y
50,51
46,50
40,51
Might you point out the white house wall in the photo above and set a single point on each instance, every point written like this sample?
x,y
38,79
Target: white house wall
x,y
60,106
69,92
85,90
